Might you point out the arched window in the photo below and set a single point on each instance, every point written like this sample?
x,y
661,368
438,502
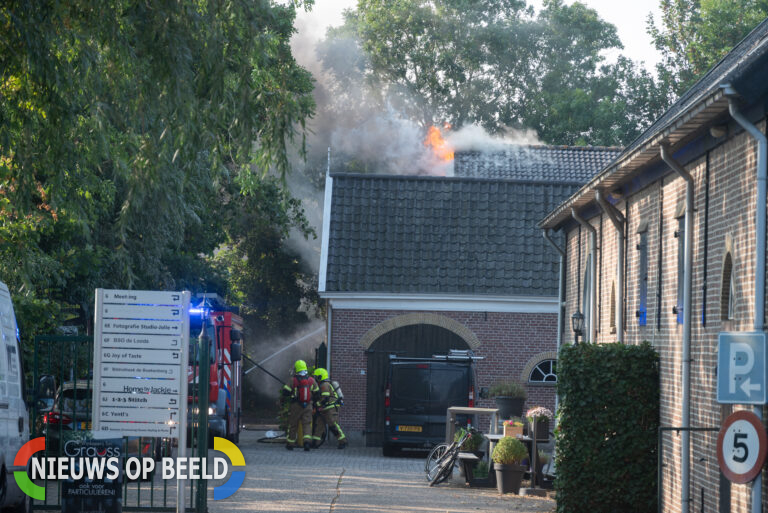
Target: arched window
x,y
727,292
544,372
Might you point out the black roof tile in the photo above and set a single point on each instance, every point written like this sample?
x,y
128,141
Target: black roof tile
x,y
482,241
536,163
474,233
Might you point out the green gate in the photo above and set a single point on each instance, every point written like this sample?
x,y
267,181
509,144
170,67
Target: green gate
x,y
61,409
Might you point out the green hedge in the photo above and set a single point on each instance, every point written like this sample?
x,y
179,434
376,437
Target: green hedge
x,y
607,432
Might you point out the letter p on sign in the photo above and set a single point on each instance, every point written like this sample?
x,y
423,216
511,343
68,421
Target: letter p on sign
x,y
742,359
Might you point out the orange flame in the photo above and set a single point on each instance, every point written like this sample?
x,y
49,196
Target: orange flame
x,y
440,148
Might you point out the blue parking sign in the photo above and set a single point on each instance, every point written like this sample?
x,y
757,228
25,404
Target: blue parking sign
x,y
741,370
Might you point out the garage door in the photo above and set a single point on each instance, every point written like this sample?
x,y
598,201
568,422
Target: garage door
x,y
418,340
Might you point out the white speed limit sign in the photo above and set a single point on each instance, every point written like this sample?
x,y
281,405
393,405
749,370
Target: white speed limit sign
x,y
741,447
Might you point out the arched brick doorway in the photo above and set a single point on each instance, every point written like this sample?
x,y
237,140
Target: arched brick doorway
x,y
415,340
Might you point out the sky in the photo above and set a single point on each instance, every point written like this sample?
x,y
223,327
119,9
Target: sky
x,y
628,17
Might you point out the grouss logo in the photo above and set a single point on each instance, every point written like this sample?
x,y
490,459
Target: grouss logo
x,y
22,479
237,477
233,484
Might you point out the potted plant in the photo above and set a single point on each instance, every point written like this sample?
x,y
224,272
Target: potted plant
x,y
513,427
507,455
541,461
481,470
538,419
510,397
472,444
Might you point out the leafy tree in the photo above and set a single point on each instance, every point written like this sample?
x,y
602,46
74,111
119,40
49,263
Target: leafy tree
x,y
425,53
695,34
495,64
265,278
571,95
119,120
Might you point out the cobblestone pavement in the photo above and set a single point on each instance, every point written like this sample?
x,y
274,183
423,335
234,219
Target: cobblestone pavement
x,y
356,480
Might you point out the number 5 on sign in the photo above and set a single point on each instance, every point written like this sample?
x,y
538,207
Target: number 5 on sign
x,y
741,447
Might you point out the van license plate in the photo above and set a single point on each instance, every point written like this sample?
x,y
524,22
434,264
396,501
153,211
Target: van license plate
x,y
415,429
85,425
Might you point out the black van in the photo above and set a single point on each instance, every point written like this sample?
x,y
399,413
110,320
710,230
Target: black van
x,y
418,393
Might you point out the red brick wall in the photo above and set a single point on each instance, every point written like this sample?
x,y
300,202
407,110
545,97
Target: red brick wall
x,y
508,342
731,224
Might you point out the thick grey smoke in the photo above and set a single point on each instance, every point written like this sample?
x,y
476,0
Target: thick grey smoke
x,y
476,138
365,133
280,358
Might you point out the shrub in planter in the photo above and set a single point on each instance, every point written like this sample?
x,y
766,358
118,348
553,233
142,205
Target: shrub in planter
x,y
507,455
510,397
481,470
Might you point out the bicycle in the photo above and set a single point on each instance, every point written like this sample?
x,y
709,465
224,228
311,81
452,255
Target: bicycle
x,y
442,458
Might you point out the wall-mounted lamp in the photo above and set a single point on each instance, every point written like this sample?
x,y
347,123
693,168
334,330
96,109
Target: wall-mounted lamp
x,y
718,131
577,323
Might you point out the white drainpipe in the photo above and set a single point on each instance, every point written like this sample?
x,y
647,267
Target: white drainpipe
x,y
592,277
759,299
560,290
617,218
685,456
560,300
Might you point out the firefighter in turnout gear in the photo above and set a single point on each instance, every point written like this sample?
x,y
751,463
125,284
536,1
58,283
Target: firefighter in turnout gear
x,y
327,403
301,390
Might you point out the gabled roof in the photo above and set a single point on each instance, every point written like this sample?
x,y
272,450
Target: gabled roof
x,y
436,235
536,163
744,68
471,234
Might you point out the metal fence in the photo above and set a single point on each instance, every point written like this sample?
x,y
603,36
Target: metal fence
x,y
61,409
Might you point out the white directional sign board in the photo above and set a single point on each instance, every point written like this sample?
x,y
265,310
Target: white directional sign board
x,y
140,362
741,368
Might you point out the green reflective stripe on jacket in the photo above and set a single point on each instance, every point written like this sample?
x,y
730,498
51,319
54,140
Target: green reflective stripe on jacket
x,y
328,397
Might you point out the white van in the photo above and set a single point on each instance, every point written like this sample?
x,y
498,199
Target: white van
x,y
14,418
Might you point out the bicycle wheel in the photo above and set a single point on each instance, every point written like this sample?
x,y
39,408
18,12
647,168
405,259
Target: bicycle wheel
x,y
445,470
431,466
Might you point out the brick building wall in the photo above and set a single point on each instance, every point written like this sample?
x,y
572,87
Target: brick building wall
x,y
509,342
726,173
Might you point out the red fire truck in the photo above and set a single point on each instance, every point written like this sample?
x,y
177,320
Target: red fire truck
x,y
224,330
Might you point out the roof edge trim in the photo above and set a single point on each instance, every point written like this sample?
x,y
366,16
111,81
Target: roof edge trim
x,y
323,270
